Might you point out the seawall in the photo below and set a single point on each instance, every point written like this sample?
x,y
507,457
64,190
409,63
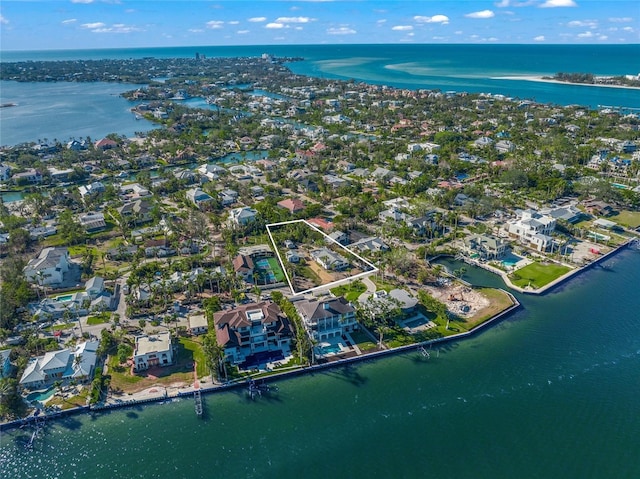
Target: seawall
x,y
188,392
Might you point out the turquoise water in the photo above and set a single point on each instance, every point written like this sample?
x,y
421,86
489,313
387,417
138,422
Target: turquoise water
x,y
552,391
76,110
41,396
66,297
472,68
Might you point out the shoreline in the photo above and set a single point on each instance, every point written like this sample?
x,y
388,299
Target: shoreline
x,y
187,392
542,79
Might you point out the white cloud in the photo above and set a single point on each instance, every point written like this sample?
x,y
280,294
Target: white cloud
x,y
514,3
341,31
558,3
603,37
583,23
258,19
402,28
293,20
117,28
539,38
3,20
196,30
242,32
458,32
621,19
233,22
382,21
434,19
70,20
481,14
274,25
587,34
215,24
81,1
93,25
628,29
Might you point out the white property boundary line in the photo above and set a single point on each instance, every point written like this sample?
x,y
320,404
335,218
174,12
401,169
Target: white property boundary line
x,y
327,237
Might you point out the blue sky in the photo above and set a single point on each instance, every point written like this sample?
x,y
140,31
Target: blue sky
x,y
74,24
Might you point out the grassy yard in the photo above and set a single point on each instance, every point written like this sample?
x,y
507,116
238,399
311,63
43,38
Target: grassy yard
x,y
192,351
538,274
71,402
351,291
630,219
98,319
363,341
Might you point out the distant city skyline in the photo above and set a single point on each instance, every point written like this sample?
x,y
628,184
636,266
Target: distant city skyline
x,y
88,24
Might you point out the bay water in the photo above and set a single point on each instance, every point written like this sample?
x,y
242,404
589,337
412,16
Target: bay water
x,y
551,391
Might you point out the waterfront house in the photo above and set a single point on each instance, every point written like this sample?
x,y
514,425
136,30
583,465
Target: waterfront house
x,y
328,318
152,350
532,229
66,364
253,334
485,246
49,267
30,176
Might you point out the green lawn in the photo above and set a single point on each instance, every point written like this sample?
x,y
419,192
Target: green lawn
x,y
630,219
363,341
99,319
538,274
351,291
193,349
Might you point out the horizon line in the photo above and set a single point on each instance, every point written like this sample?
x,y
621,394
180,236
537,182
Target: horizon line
x,y
540,44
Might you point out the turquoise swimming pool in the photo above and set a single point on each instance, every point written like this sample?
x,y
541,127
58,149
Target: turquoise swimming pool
x,y
41,396
330,349
66,297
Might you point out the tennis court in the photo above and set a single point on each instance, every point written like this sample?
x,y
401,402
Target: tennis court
x,y
269,270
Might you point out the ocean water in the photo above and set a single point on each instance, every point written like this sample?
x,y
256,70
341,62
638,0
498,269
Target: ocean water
x,y
551,391
67,110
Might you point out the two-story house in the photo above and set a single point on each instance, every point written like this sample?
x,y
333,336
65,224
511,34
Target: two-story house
x,y
329,318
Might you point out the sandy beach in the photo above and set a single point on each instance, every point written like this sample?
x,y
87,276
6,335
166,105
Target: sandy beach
x,y
538,78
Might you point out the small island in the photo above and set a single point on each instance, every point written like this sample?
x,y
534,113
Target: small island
x,y
632,81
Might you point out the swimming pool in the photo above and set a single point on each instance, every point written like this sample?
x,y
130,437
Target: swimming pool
x,y
41,396
66,297
511,260
330,349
